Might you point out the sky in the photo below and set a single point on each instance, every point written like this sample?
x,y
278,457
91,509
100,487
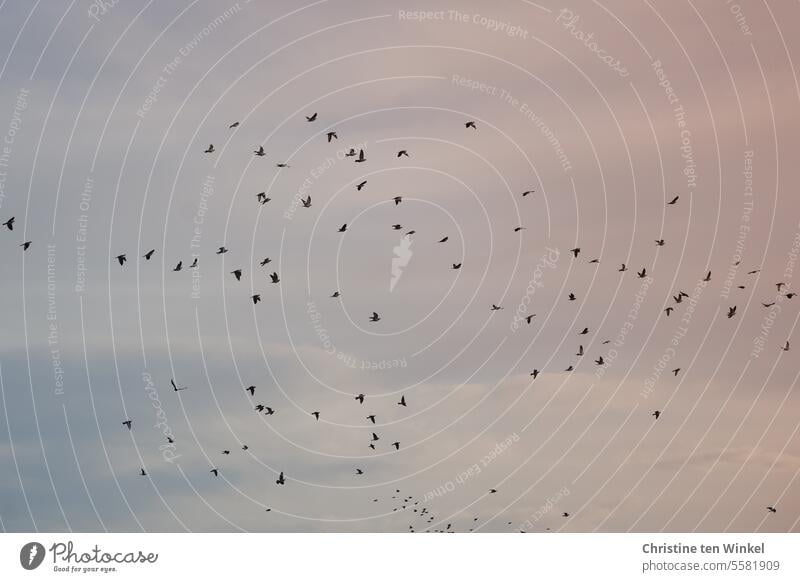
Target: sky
x,y
603,113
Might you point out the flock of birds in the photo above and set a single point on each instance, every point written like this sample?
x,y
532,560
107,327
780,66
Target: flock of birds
x,y
406,502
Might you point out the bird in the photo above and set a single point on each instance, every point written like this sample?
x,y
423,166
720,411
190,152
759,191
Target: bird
x,y
245,447
282,165
492,491
359,472
26,245
178,267
397,200
656,413
260,152
315,415
584,331
361,157
753,272
256,298
565,514
312,117
519,228
495,307
335,294
768,304
594,262
673,201
375,316
599,361
360,398
274,278
397,226
470,124
127,423
142,472
375,437
332,135
779,286
237,273
707,278
262,197
209,149
265,262
456,266
149,255
571,296
576,251
731,311
535,373
580,351
121,259
371,418
9,224
215,472
175,388
528,318
402,153
222,250
445,239
623,268
675,372
528,192
785,348
280,480
402,401
306,202
789,295
343,228
233,125
226,452
350,153
194,264
251,390
642,274
771,509
360,185
660,242
396,445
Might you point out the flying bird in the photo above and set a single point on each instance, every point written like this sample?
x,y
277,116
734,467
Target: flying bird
x,y
315,415
260,152
274,278
360,398
209,149
402,401
528,192
332,135
280,480
256,298
149,255
375,316
26,245
402,153
360,185
456,266
470,124
175,388
731,311
251,390
576,251
656,413
237,273
127,423
343,228
674,200
222,250
215,472
121,259
306,202
233,125
361,157
312,117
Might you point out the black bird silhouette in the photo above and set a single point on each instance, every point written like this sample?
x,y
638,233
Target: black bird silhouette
x,y
656,413
335,294
535,373
226,452
9,224
360,185
149,255
397,200
222,250
375,316
642,274
280,480
274,278
771,509
260,152
572,296
565,514
371,418
789,295
265,262
26,245
343,228
731,311
779,286
402,153
375,437
675,372
668,310
519,228
178,267
127,423
528,192
209,149
251,390
707,278
142,472
121,259
396,445
361,157
215,472
529,317
495,307
594,262
492,491
402,401
256,298
315,415
444,239
674,200
306,202
599,361
237,273
470,124
194,264
282,165
785,348
768,304
576,251
360,398
359,472
584,331
623,268
332,135
660,242
397,226
175,388
233,125
312,117
580,351
245,447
